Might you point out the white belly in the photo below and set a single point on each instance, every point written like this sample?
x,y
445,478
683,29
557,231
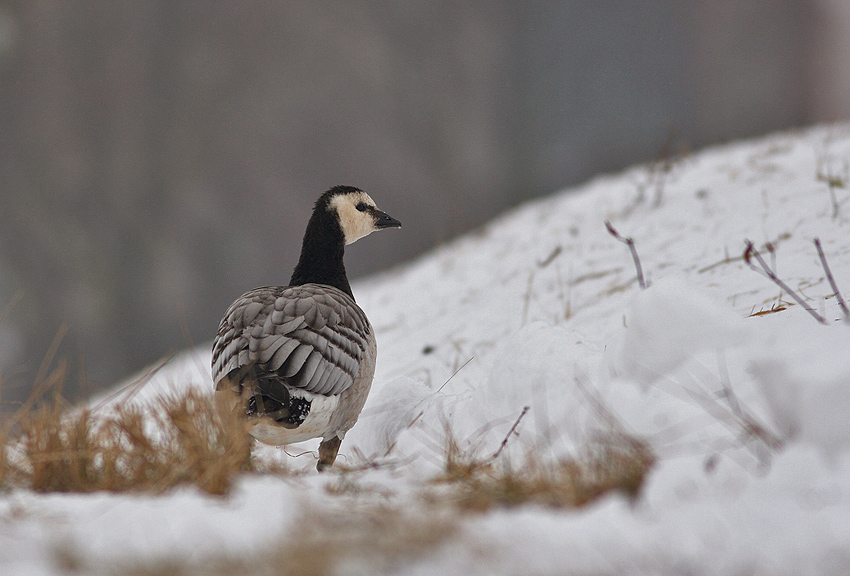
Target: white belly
x,y
315,425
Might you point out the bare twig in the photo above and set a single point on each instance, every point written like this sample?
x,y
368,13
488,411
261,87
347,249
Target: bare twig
x,y
599,406
831,279
658,172
455,373
729,259
833,180
726,383
765,270
552,255
750,425
631,244
528,294
510,433
744,425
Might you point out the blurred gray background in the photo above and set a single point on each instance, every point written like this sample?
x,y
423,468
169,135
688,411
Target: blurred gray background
x,y
158,158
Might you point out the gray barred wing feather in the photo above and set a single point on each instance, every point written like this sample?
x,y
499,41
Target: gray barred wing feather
x,y
311,336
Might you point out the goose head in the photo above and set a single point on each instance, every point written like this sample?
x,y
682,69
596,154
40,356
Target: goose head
x,y
357,213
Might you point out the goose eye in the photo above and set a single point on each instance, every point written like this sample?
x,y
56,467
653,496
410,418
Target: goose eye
x,y
362,207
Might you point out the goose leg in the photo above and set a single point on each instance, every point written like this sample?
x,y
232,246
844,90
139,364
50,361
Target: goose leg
x,y
327,452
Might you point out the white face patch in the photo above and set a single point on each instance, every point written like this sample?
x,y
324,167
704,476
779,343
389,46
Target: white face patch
x,y
354,223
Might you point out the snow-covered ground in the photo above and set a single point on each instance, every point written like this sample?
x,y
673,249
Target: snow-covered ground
x,y
542,308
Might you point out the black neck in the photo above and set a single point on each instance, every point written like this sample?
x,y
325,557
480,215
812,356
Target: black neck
x,y
321,254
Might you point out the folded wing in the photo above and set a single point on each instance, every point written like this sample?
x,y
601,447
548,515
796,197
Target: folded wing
x,y
311,337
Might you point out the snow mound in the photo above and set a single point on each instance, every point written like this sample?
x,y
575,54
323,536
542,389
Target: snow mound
x,y
741,394
670,324
804,376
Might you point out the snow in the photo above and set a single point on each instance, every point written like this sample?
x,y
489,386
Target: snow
x,y
810,406
541,308
661,333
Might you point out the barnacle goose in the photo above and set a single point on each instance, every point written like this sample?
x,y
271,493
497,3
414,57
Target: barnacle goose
x,y
301,357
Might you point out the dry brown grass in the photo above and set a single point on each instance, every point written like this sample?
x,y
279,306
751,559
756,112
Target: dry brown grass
x,y
178,440
615,463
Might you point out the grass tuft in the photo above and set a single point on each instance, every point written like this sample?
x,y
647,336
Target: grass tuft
x,y
182,439
616,463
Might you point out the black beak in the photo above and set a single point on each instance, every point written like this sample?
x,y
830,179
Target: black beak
x,y
384,220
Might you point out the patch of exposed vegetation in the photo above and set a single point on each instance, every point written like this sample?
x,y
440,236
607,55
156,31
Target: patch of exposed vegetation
x,y
181,439
615,463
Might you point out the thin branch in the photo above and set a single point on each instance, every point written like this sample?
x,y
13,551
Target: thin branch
x,y
528,294
548,260
631,244
510,433
455,373
831,279
749,423
599,407
833,181
769,273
